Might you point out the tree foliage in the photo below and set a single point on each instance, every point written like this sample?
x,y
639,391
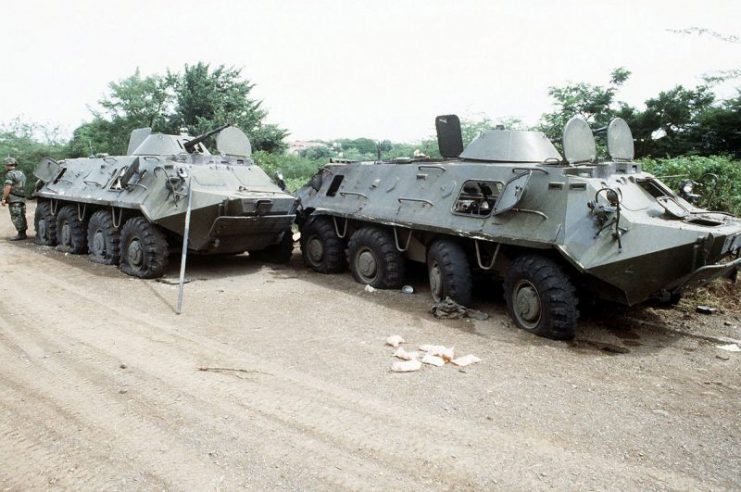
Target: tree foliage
x,y
595,103
199,98
29,143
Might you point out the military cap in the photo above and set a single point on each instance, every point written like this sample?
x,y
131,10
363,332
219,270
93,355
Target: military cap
x,y
9,161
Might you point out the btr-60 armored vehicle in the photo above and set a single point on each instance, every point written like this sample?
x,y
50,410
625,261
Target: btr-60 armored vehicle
x,y
510,205
130,210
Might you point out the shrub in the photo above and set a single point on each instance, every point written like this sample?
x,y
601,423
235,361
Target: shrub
x,y
723,194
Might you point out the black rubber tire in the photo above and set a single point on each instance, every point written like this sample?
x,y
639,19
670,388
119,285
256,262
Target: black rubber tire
x,y
449,272
104,240
144,251
45,225
542,281
375,246
71,231
321,249
277,253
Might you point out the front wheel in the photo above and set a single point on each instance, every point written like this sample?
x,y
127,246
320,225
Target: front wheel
x,y
374,259
45,224
144,252
321,249
541,298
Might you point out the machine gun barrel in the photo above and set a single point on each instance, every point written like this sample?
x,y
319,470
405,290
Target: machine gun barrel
x,y
191,145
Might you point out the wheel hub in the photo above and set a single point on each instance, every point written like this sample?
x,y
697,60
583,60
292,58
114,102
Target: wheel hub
x,y
135,253
527,304
315,249
98,243
65,233
366,264
436,284
43,229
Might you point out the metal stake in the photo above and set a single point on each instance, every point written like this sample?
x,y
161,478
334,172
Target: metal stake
x,y
184,254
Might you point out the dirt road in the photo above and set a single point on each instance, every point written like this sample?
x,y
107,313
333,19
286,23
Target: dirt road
x,y
100,388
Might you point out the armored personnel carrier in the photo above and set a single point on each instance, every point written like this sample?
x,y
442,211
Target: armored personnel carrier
x,y
130,210
552,228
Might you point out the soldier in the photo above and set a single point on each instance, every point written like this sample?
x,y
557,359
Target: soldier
x,y
14,195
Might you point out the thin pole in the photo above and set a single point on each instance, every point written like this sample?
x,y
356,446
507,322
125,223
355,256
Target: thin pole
x,y
184,254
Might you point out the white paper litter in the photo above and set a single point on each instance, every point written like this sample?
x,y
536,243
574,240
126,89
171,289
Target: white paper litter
x,y
404,355
731,347
369,288
466,360
433,360
406,366
394,340
447,353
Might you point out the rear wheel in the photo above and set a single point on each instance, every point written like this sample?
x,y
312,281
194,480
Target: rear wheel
x,y
321,249
144,252
104,240
541,298
449,272
45,225
374,259
71,231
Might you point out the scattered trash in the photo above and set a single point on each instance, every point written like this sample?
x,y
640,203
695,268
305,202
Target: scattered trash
x,y
731,347
434,355
722,357
394,340
369,288
123,366
449,309
445,353
433,360
466,360
404,355
123,391
407,289
296,236
705,309
406,366
728,323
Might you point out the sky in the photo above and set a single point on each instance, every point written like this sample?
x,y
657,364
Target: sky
x,y
380,69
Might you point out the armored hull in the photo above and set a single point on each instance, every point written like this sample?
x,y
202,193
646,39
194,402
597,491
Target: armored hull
x,y
510,206
85,204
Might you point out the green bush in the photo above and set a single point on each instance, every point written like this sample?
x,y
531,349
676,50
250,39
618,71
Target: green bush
x,y
723,194
29,143
296,170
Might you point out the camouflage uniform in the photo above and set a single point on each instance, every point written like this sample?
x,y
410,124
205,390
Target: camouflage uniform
x,y
17,199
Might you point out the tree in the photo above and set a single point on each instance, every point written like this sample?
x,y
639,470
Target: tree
x,y
206,98
29,143
676,114
720,127
595,103
198,98
145,101
134,102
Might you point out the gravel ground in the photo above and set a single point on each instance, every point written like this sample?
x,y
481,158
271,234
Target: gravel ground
x,y
103,386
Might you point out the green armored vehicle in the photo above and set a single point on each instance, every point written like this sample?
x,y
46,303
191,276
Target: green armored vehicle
x,y
130,210
509,205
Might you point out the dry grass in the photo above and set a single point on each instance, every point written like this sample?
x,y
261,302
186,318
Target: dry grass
x,y
721,293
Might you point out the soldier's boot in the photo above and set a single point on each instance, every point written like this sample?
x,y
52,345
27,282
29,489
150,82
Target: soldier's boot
x,y
19,237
